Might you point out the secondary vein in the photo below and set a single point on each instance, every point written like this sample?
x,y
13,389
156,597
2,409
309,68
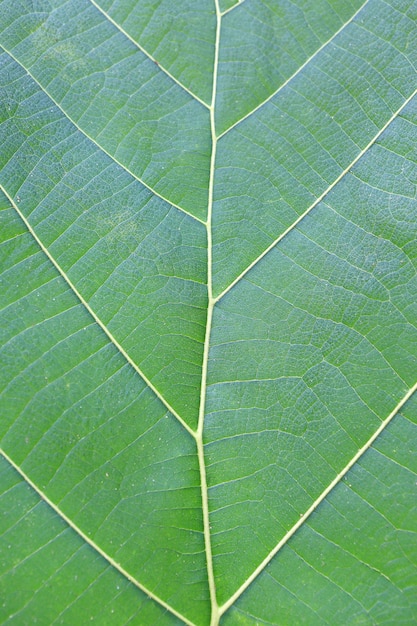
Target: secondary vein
x,y
90,541
318,200
95,316
146,53
290,78
316,503
113,158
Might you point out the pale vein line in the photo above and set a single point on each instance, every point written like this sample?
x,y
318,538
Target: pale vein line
x,y
238,3
147,54
300,69
363,562
319,199
94,315
211,302
315,504
90,542
83,132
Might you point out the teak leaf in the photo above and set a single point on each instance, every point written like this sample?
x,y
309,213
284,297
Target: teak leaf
x,y
208,312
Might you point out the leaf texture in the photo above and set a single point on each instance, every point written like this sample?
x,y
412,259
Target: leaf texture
x,y
208,312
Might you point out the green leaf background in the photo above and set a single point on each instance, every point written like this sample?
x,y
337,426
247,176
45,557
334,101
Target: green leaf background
x,y
208,301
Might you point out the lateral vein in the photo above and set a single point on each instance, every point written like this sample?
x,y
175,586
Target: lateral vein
x,y
94,315
316,503
147,54
232,8
88,540
302,67
93,141
318,200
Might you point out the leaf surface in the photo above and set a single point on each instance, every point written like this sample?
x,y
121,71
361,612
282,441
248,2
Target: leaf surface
x,y
208,312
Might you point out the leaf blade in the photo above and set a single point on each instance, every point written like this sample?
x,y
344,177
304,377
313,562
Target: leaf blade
x,y
321,293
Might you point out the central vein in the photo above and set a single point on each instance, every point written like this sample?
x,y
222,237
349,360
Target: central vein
x,y
210,307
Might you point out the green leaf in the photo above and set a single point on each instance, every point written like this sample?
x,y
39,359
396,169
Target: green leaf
x,y
208,298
